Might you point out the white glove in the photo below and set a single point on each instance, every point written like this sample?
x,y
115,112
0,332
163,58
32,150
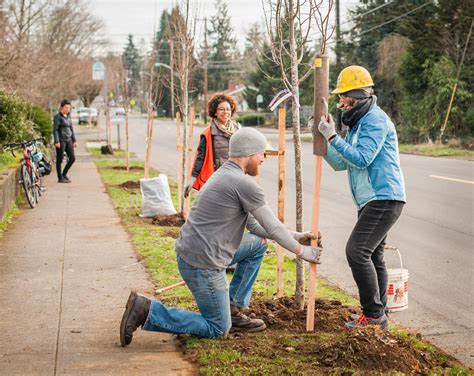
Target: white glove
x,y
327,128
188,188
304,238
311,254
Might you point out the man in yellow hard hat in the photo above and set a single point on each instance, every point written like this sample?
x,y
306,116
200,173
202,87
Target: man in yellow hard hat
x,y
369,153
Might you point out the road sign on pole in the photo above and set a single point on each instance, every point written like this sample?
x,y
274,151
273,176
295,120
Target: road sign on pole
x,y
98,71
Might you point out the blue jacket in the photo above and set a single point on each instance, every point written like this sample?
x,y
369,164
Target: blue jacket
x,y
369,153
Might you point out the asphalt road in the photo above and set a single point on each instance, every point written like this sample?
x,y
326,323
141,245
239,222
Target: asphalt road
x,y
434,233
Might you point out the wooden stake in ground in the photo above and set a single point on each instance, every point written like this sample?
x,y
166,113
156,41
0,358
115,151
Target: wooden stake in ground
x,y
321,92
178,147
281,196
187,205
148,143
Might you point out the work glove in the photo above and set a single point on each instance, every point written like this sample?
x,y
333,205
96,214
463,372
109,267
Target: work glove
x,y
327,127
188,188
311,254
304,238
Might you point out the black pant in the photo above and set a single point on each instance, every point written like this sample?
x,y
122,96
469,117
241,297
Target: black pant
x,y
365,253
68,147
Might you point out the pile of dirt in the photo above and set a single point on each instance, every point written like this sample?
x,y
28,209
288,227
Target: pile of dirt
x,y
173,220
132,168
331,346
130,184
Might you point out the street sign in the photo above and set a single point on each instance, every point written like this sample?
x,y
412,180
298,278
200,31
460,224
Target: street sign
x,y
132,102
98,71
259,98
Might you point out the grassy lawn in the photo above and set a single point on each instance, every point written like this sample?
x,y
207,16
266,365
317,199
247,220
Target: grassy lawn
x,y
434,150
118,153
266,353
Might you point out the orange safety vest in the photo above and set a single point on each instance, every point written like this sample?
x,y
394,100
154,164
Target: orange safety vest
x,y
208,165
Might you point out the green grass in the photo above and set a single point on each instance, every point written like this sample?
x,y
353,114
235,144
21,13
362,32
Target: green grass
x,y
9,216
435,150
118,153
155,248
7,160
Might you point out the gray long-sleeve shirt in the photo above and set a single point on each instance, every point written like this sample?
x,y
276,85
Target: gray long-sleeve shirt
x,y
228,203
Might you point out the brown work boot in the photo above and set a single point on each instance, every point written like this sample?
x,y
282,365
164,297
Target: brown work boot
x,y
135,315
243,323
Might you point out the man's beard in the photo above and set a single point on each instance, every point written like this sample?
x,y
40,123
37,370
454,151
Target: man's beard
x,y
252,169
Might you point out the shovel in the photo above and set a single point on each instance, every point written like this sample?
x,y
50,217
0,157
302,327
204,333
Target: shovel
x,y
170,287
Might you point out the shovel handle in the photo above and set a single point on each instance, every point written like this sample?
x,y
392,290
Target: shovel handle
x,y
170,287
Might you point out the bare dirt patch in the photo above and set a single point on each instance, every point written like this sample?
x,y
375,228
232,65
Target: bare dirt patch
x,y
331,346
174,220
130,185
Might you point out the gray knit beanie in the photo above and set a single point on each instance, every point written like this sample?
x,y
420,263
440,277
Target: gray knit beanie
x,y
246,142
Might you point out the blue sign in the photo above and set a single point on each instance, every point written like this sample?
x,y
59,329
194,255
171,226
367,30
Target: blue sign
x,y
98,71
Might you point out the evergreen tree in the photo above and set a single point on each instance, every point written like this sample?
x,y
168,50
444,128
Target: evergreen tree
x,y
131,61
265,76
222,49
162,45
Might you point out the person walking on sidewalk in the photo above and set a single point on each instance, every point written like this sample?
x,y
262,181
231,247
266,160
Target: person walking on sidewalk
x,y
369,153
213,238
64,140
213,149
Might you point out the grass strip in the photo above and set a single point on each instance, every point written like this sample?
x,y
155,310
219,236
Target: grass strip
x,y
270,354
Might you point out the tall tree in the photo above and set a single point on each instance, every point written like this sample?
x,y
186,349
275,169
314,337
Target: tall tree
x,y
132,61
222,49
163,40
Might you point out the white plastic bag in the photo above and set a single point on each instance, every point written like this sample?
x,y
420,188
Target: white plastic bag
x,y
156,197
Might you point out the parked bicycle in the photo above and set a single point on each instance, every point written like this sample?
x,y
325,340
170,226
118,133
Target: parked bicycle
x,y
33,166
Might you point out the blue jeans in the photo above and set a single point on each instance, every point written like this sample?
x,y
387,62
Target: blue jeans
x,y
365,251
212,294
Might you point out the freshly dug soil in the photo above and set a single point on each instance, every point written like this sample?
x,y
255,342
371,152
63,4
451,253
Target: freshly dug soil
x,y
174,220
331,347
130,185
132,168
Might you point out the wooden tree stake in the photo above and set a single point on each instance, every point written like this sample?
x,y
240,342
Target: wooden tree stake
x,y
148,143
187,205
178,147
321,92
281,197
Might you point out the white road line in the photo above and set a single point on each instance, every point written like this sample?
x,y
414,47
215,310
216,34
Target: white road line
x,y
452,179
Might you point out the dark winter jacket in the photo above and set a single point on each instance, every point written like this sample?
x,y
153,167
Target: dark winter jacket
x,y
62,128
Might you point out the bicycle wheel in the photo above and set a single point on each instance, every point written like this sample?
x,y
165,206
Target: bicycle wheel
x,y
35,182
28,186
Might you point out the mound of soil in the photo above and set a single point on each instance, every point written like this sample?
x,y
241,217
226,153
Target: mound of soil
x,y
130,185
331,346
132,168
174,220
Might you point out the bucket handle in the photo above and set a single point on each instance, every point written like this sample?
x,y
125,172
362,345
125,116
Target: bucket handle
x,y
392,248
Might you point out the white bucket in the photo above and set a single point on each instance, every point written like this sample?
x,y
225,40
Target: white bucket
x,y
397,290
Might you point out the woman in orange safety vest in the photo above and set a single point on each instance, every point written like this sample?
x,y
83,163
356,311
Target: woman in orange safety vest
x,y
213,149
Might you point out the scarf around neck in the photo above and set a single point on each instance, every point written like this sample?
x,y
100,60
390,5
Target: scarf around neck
x,y
352,117
228,129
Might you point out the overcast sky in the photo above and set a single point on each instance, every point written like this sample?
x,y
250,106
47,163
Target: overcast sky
x,y
139,17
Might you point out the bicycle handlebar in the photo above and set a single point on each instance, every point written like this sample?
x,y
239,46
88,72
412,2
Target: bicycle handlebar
x,y
22,144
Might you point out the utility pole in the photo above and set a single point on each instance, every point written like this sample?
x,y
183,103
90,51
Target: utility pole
x,y
172,77
205,70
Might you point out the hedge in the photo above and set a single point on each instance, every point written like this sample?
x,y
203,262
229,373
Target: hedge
x,y
21,121
251,119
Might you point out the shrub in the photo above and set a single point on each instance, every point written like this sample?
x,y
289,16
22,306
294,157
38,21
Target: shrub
x,y
14,122
469,120
42,122
251,119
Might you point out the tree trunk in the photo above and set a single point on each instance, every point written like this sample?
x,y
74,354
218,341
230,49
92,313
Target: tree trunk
x,y
295,119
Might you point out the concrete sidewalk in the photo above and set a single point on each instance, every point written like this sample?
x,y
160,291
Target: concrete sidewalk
x,y
66,269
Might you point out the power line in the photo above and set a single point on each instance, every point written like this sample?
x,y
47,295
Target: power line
x,y
368,12
394,19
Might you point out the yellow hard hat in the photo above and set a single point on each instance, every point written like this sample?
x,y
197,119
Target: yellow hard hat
x,y
351,78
